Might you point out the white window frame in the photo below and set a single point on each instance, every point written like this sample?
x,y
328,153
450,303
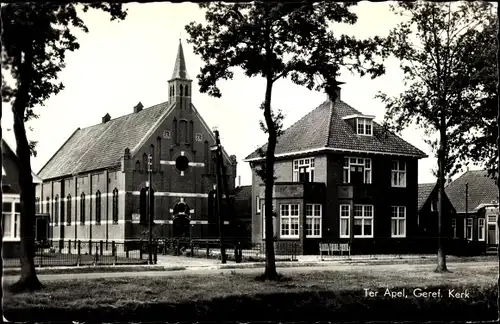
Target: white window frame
x,y
364,122
399,173
300,163
263,221
481,229
454,227
15,218
257,204
346,216
396,216
366,163
466,225
314,213
291,219
363,218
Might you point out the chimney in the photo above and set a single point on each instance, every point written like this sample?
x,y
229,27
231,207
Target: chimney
x,y
138,107
106,118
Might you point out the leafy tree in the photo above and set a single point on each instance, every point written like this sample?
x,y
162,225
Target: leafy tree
x,y
437,48
275,41
35,39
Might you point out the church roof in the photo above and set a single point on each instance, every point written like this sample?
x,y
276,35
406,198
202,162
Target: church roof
x,y
325,129
482,191
180,71
102,145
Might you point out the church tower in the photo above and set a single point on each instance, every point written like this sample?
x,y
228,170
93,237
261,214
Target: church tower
x,y
179,85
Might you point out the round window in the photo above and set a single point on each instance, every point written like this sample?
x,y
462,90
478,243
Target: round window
x,y
181,207
182,163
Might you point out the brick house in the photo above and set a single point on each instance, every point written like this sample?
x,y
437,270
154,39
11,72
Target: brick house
x,y
11,203
427,221
475,198
345,178
95,185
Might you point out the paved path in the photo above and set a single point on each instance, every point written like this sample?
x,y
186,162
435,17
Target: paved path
x,y
215,270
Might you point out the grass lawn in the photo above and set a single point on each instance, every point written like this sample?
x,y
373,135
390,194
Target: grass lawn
x,y
321,295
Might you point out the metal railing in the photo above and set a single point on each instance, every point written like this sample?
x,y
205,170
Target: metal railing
x,y
79,253
236,249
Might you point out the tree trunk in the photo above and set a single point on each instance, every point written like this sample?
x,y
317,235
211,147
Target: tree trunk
x,y
28,280
498,151
270,272
441,254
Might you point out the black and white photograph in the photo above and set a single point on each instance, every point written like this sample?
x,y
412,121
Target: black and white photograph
x,y
280,161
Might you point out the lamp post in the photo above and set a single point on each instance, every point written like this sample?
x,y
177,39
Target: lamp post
x,y
218,162
149,209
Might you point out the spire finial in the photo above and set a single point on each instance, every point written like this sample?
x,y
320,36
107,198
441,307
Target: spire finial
x,y
180,64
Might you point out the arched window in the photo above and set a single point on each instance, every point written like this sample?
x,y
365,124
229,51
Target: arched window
x,y
82,208
115,206
137,165
47,204
152,150
37,205
186,93
145,162
158,153
183,125
206,157
180,92
56,210
190,133
98,207
176,133
142,207
68,209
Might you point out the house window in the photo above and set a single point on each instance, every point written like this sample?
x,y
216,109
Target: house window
x,y
303,170
434,204
68,209
313,220
454,227
398,174
468,228
115,206
82,208
481,229
398,221
364,126
289,219
345,219
98,207
257,204
363,221
56,210
357,170
11,212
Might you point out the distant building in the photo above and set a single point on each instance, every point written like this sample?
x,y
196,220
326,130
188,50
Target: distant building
x,y
95,185
11,204
428,197
340,177
475,198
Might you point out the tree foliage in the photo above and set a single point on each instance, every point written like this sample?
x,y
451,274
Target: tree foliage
x,y
35,40
438,52
276,40
444,51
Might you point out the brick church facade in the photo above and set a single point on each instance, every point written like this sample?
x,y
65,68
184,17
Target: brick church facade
x,y
94,187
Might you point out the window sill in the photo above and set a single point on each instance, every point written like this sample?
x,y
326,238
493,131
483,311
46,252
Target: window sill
x,y
313,236
398,236
363,236
393,186
344,236
11,239
289,237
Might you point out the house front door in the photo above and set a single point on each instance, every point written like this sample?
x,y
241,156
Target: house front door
x,y
492,234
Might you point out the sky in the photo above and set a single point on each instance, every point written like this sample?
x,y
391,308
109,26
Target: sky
x,y
122,63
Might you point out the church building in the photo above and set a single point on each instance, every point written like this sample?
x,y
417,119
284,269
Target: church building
x,y
95,186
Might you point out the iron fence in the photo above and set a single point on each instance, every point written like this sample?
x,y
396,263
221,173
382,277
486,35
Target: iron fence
x,y
236,249
79,253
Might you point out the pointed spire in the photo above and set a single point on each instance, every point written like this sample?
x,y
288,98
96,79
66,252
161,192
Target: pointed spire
x,y
180,71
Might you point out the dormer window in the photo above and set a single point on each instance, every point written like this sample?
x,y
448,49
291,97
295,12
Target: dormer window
x,y
364,126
